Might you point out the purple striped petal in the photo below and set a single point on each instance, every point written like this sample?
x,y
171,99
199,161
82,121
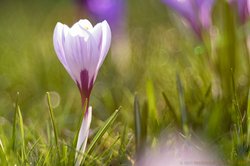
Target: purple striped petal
x,y
82,49
82,54
102,35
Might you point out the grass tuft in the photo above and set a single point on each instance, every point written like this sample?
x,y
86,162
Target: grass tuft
x,y
53,123
101,132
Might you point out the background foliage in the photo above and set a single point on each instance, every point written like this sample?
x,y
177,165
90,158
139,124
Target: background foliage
x,y
197,88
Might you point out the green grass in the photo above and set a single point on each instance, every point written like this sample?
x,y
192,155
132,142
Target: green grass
x,y
171,83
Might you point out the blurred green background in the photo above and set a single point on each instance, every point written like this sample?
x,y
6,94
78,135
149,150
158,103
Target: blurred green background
x,y
30,66
169,69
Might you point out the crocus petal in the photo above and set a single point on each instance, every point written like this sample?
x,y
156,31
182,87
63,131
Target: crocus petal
x,y
106,40
82,54
248,6
183,7
73,44
243,9
205,10
187,9
84,132
59,40
85,24
82,49
196,12
102,34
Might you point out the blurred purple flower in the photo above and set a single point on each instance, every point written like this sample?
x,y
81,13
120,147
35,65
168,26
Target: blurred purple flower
x,y
110,10
243,9
196,12
82,50
179,152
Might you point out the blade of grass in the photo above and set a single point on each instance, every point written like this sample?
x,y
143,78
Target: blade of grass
x,y
105,153
53,123
14,124
3,150
102,131
48,132
236,107
183,110
109,152
22,134
137,123
144,123
248,120
33,146
65,154
123,140
204,100
169,105
47,157
151,103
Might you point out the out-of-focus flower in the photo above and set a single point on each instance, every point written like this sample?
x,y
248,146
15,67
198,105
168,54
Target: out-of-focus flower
x,y
179,152
196,12
243,9
82,50
110,10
